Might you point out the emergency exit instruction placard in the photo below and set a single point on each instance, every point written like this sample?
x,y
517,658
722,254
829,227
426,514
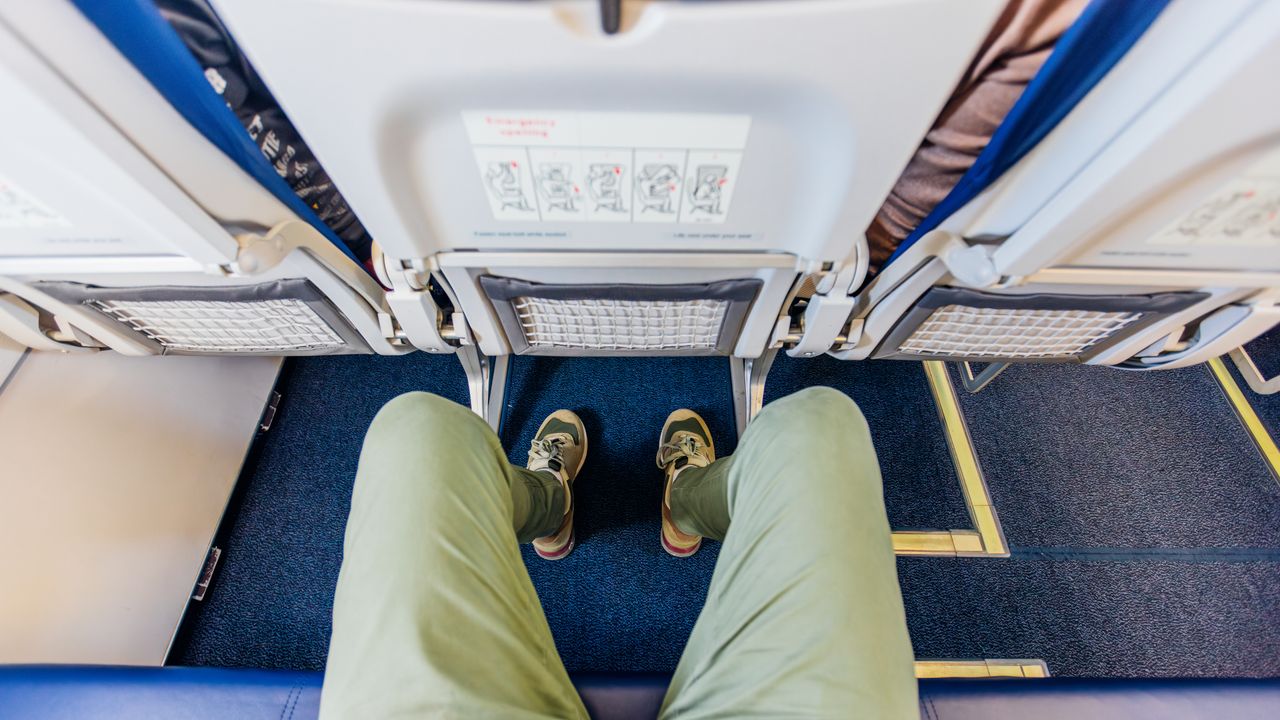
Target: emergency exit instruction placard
x,y
540,166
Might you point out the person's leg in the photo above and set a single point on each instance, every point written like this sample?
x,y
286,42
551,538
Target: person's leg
x,y
804,616
435,615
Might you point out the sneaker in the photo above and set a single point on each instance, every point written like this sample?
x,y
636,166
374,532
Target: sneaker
x,y
560,448
685,442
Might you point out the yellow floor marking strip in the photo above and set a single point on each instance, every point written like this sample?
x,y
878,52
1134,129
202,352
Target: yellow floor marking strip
x,y
937,542
1252,423
927,542
981,669
986,539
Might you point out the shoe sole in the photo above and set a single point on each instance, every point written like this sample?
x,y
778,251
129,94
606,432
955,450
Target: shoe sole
x,y
561,553
567,416
674,551
669,543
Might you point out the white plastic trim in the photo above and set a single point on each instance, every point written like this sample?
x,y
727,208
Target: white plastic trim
x,y
20,323
1221,332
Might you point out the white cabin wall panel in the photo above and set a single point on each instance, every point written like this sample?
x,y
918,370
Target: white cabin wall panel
x,y
11,354
106,523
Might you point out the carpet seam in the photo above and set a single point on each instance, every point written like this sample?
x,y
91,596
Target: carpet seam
x,y
1186,555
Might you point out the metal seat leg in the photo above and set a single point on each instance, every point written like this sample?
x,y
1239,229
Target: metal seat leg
x,y
749,376
974,383
486,382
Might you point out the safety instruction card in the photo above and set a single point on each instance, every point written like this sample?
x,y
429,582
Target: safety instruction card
x,y
539,166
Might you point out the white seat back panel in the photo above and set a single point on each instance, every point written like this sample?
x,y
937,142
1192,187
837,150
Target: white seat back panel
x,y
727,126
71,185
1178,38
1193,183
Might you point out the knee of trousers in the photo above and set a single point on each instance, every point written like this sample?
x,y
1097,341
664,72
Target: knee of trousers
x,y
817,422
419,429
816,415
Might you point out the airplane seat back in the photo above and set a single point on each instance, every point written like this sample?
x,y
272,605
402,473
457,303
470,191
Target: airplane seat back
x,y
1084,250
125,229
659,190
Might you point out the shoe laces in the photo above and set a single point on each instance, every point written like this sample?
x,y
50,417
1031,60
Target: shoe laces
x,y
547,454
686,446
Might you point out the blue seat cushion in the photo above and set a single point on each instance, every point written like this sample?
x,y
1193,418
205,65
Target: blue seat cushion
x,y
177,693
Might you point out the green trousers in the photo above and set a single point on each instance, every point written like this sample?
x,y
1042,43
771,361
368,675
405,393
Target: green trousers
x,y
435,615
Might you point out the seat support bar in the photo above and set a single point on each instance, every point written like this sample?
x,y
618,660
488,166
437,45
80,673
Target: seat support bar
x,y
486,382
749,376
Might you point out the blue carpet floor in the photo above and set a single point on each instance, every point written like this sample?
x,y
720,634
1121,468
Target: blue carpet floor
x,y
1099,458
1136,552
1126,617
1265,352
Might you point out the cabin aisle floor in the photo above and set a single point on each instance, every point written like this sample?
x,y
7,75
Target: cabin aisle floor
x,y
1143,524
